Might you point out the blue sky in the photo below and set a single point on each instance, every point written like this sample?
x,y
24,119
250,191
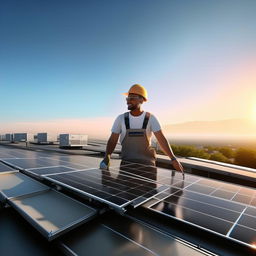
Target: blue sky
x,y
73,59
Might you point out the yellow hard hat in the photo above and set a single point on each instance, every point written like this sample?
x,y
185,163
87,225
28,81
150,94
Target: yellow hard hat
x,y
138,89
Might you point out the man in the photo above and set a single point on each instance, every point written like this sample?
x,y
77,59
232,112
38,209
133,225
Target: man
x,y
135,128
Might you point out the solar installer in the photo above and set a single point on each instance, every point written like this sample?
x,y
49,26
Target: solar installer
x,y
135,129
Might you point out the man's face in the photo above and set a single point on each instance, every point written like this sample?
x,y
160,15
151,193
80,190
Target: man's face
x,y
134,101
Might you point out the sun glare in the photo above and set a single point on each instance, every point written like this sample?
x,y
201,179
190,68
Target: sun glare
x,y
254,112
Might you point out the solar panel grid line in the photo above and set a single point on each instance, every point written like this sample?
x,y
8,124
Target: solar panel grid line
x,y
136,175
160,200
218,197
251,201
93,183
209,230
208,204
214,190
209,215
138,178
168,195
143,177
244,226
231,229
138,186
29,163
248,221
66,172
140,200
222,188
66,161
88,194
140,245
235,194
236,236
93,187
220,185
210,209
187,187
221,201
45,167
193,224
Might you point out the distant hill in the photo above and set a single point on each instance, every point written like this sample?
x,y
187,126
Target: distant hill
x,y
229,127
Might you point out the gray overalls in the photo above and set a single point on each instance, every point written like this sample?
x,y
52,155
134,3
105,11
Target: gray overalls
x,y
135,145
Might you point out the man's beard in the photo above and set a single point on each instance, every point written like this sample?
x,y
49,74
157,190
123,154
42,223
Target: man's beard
x,y
132,107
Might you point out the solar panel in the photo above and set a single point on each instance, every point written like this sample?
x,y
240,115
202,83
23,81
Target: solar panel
x,y
85,161
206,186
105,186
6,169
50,170
29,163
51,212
17,184
196,205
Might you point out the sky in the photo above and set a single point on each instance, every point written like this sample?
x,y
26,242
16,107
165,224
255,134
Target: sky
x,y
65,64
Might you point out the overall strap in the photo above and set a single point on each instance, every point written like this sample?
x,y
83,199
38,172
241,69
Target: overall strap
x,y
145,123
126,120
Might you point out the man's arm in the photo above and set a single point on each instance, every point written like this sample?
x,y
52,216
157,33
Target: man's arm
x,y
111,144
164,144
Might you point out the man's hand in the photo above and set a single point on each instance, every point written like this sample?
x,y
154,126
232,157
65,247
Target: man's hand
x,y
177,166
104,164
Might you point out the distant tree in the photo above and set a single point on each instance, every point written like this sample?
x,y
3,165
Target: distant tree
x,y
189,150
219,157
210,148
227,152
245,157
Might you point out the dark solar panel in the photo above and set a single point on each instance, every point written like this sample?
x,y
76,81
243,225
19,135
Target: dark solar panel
x,y
202,202
244,234
115,189
194,183
28,163
50,170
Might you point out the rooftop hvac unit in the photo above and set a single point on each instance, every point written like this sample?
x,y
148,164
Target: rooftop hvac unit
x,y
9,137
23,137
73,140
46,138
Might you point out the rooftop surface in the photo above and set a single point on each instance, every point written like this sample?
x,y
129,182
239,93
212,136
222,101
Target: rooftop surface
x,y
55,203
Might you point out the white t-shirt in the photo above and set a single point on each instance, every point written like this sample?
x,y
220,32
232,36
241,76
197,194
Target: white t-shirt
x,y
136,122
